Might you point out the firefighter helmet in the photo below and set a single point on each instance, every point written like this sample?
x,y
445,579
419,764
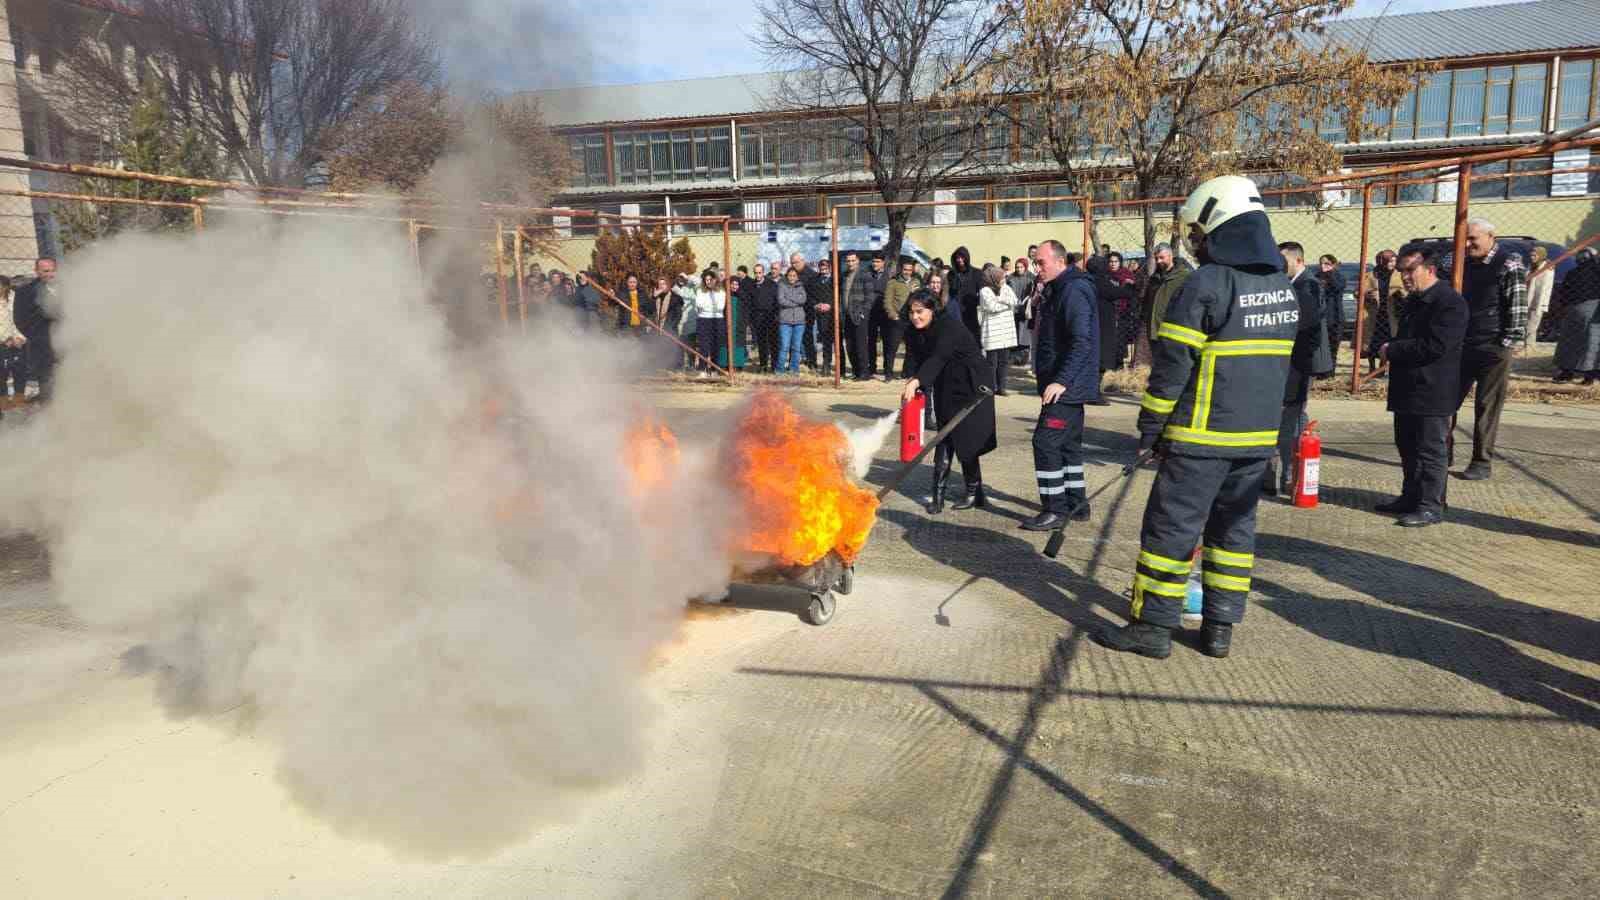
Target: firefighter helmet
x,y
1218,200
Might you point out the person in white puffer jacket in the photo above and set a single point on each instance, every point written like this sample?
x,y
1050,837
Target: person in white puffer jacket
x,y
997,322
710,307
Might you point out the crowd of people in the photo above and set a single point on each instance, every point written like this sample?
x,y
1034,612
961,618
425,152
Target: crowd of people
x,y
27,319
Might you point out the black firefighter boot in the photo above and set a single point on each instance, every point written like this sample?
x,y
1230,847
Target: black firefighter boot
x,y
942,457
1142,638
1216,638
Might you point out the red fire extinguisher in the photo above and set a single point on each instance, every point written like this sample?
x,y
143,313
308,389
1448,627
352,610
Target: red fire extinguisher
x,y
911,426
1308,467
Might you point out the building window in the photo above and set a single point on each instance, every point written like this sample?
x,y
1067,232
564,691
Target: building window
x,y
1527,112
1034,202
1576,102
1466,103
588,159
1490,181
659,157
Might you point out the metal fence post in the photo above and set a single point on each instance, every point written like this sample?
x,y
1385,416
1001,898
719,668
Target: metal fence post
x,y
1361,283
727,293
833,251
1088,226
500,270
522,288
1463,192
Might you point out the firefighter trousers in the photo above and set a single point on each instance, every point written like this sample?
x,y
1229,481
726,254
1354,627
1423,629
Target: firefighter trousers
x,y
1195,498
1058,457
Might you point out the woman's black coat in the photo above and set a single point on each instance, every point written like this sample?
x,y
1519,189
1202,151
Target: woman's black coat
x,y
950,363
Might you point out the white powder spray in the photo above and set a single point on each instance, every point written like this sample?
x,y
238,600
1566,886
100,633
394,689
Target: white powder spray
x,y
271,469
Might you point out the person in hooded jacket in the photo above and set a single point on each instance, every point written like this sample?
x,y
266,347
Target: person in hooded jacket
x,y
1066,366
1210,415
962,283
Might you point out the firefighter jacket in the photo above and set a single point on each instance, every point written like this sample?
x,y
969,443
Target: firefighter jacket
x,y
1216,382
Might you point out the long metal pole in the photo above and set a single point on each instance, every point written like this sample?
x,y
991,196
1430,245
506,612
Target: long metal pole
x,y
1361,293
522,288
1088,226
833,250
727,294
500,270
1463,190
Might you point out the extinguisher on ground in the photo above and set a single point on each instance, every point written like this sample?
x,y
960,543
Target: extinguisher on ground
x,y
911,416
1308,467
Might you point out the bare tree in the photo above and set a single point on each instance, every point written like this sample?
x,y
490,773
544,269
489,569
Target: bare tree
x,y
894,80
395,141
263,79
1168,92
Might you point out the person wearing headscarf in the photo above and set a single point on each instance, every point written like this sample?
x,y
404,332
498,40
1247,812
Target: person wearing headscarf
x,y
997,322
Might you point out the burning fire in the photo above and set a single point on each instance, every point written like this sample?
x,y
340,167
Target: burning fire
x,y
651,453
792,475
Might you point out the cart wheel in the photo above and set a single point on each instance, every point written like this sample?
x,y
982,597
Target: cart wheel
x,y
820,612
847,581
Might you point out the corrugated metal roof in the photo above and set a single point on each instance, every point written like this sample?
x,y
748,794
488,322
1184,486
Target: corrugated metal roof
x,y
1544,25
1541,25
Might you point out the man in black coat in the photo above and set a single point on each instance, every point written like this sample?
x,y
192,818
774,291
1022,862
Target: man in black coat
x,y
1424,384
34,311
1307,291
761,298
1333,285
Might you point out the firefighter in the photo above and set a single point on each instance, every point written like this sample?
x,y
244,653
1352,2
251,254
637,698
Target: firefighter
x,y
1211,415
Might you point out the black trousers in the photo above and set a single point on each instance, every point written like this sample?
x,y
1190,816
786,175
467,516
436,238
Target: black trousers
x,y
999,361
765,328
1289,429
1058,457
890,332
13,369
1423,444
1195,499
1490,369
810,339
711,335
859,335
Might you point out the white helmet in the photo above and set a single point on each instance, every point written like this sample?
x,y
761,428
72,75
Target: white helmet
x,y
1218,200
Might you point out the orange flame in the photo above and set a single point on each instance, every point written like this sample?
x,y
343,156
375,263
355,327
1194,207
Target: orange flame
x,y
651,453
798,496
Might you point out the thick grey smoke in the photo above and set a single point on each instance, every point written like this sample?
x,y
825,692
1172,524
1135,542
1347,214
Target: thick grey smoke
x,y
418,561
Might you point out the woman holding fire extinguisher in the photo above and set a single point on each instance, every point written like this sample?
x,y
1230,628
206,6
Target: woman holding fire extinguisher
x,y
949,361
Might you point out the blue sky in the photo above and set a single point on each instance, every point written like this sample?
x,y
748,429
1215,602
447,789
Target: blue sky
x,y
526,44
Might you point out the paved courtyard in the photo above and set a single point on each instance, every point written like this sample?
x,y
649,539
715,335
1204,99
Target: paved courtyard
x,y
1406,714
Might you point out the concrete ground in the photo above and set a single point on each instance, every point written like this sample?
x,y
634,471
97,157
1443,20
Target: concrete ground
x,y
1406,714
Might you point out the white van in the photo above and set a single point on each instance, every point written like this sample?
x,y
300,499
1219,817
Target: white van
x,y
776,245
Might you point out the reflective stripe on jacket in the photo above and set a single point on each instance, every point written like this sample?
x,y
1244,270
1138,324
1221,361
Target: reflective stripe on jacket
x,y
1220,363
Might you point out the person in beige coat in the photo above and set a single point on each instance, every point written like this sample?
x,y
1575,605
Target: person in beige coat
x,y
1540,286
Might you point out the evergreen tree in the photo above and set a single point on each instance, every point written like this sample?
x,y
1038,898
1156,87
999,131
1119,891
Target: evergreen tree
x,y
642,251
151,142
